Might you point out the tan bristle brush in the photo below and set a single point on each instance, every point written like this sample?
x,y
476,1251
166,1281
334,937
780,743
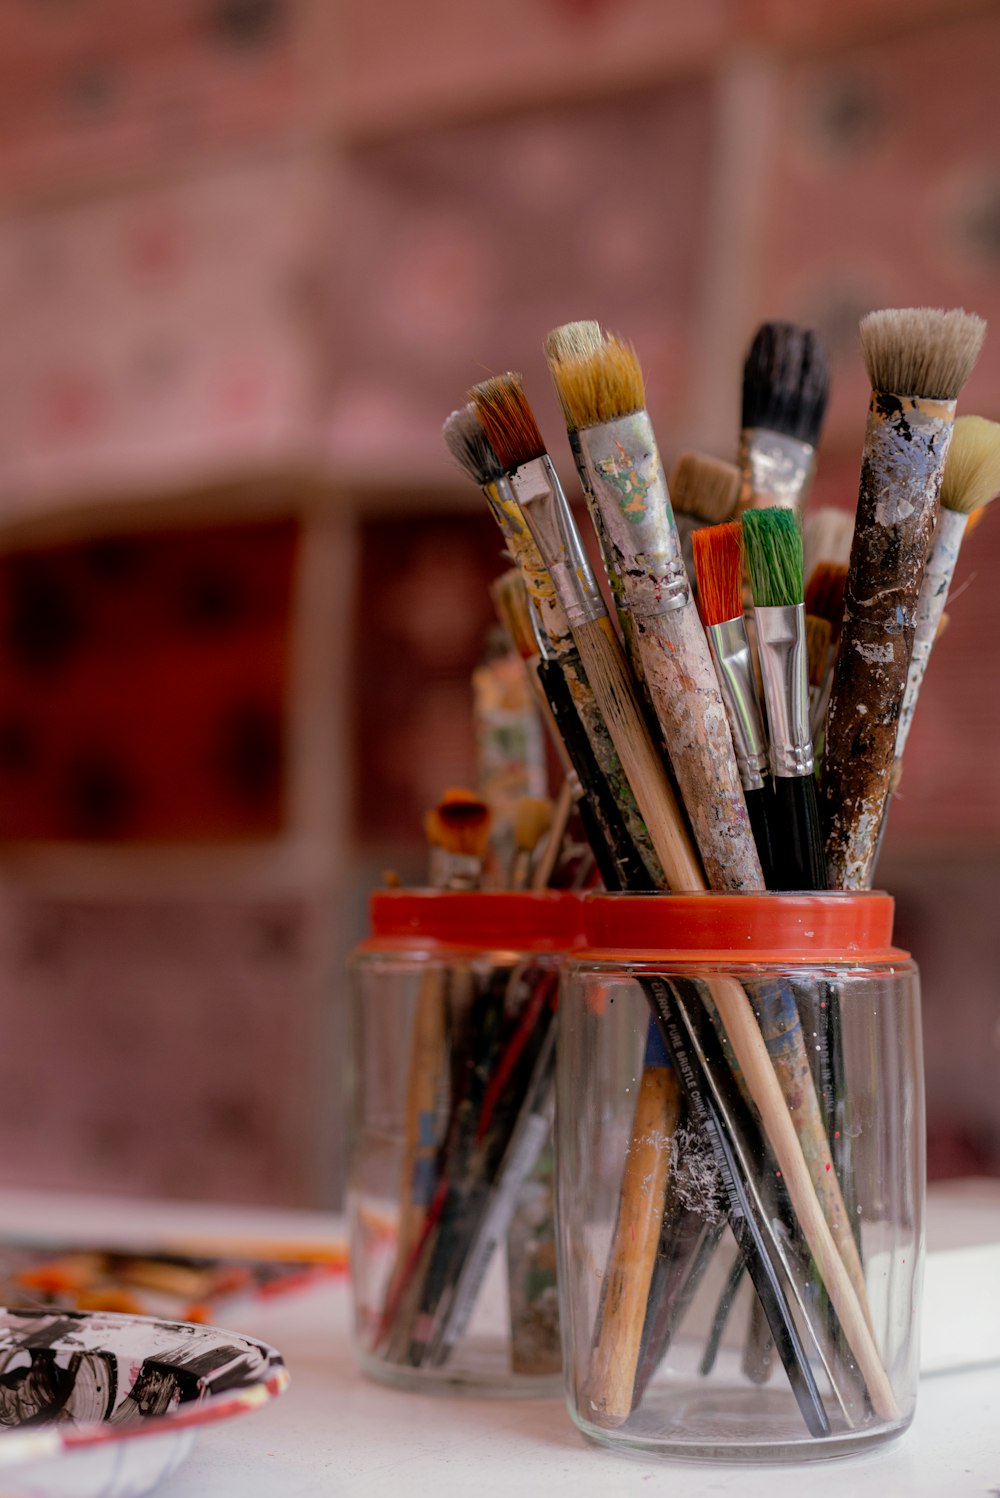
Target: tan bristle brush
x,y
703,491
971,481
458,832
532,820
513,432
918,359
605,396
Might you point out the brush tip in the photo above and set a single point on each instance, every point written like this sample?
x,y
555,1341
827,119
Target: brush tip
x,y
460,823
972,468
718,568
704,488
921,352
773,544
599,384
509,422
532,819
465,438
786,382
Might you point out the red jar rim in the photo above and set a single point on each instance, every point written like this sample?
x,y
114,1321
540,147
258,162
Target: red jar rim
x,y
500,920
834,927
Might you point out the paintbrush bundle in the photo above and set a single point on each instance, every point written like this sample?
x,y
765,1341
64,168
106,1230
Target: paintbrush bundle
x,y
689,722
455,1001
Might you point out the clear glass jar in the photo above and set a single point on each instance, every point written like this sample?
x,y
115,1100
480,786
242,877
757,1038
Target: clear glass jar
x,y
740,1175
451,1187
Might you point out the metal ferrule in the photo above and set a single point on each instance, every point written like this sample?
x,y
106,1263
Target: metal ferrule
x,y
627,481
781,646
730,649
455,871
547,514
777,470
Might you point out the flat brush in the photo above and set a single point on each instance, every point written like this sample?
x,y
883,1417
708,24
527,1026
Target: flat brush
x,y
467,439
971,480
532,820
703,491
718,554
824,601
774,558
918,359
604,392
827,532
785,389
511,426
458,832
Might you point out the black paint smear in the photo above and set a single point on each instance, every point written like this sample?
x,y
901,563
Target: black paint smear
x,y
101,797
45,626
35,1395
250,756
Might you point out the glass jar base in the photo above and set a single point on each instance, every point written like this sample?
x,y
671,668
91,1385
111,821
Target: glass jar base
x,y
472,1377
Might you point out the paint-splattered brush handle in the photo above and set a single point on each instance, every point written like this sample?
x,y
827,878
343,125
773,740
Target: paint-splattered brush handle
x,y
906,443
942,559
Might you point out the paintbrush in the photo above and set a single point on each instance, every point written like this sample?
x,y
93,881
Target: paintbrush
x,y
604,392
774,558
824,601
718,557
785,388
918,359
703,491
458,832
468,441
820,670
515,437
970,481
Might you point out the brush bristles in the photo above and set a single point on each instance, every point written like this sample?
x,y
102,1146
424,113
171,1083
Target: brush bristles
x,y
718,567
601,385
818,640
460,823
921,351
827,533
574,340
503,409
774,556
466,440
532,820
786,382
704,488
510,599
824,594
972,468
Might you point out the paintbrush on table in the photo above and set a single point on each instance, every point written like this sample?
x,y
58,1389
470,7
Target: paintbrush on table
x,y
773,547
918,359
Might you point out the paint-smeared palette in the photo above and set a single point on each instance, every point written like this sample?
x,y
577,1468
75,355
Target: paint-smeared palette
x,y
96,1405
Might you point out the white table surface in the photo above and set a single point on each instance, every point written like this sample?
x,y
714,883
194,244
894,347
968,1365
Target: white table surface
x,y
335,1433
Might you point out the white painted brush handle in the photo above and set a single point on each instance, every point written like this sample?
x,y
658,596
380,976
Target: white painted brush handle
x,y
938,573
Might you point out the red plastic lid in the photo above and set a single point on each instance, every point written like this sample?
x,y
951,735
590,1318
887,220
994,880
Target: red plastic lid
x,y
522,921
812,928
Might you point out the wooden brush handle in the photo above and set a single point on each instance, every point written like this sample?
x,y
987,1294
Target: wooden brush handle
x,y
637,1235
617,698
748,1044
906,443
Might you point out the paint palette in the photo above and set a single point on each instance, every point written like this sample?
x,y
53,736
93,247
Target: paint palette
x,y
95,1405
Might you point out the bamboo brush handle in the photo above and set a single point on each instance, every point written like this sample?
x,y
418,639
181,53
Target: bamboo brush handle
x,y
617,698
762,1083
622,1315
561,814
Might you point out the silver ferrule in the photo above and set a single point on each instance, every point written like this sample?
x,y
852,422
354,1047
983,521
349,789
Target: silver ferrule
x,y
547,515
730,649
777,470
454,871
781,646
629,488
